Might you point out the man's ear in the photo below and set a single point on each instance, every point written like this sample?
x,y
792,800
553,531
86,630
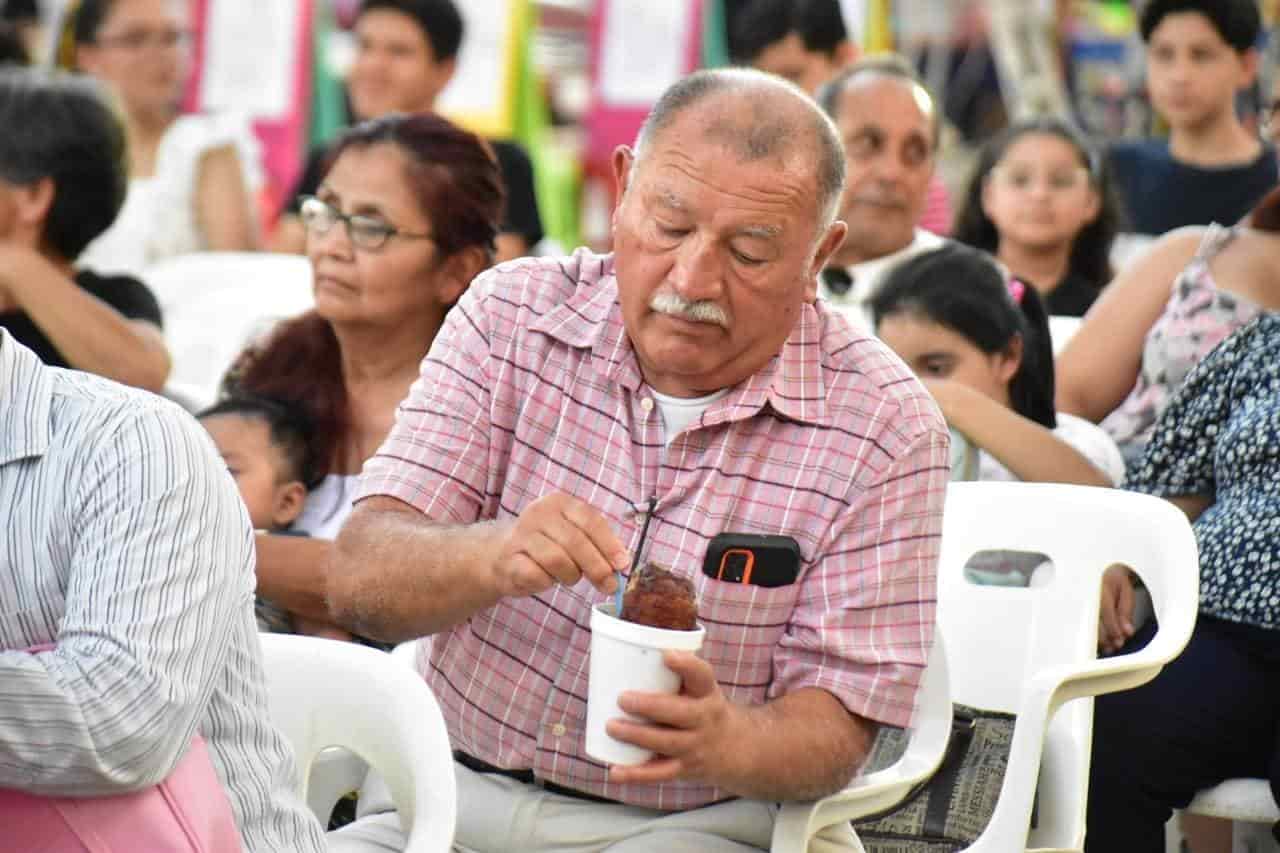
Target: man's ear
x,y
446,70
289,501
33,202
624,164
86,59
845,54
826,248
1249,63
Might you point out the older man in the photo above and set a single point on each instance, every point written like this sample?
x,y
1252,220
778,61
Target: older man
x,y
890,126
690,379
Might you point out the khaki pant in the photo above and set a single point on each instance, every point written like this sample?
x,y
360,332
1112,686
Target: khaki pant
x,y
497,814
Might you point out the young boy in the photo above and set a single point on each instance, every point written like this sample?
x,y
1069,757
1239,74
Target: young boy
x,y
267,450
1200,53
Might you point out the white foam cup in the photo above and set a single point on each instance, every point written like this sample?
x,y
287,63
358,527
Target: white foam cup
x,y
627,656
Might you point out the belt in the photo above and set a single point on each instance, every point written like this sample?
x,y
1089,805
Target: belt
x,y
526,776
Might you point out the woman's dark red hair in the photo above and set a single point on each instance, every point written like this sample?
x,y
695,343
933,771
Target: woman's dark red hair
x,y
455,177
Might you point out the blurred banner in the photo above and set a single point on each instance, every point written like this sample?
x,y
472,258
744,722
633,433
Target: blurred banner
x,y
258,67
483,95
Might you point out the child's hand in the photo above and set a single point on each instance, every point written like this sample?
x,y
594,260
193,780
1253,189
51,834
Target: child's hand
x,y
1115,621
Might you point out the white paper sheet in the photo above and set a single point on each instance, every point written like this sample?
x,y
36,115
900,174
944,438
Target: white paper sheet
x,y
480,81
643,50
250,59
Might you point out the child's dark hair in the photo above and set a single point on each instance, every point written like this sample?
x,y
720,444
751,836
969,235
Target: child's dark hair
x,y
290,431
1238,21
964,290
1091,251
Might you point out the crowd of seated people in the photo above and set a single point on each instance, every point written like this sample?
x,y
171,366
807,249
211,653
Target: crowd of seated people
x,y
444,447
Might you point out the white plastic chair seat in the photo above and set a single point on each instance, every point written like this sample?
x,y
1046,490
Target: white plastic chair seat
x,y
798,823
1247,800
325,694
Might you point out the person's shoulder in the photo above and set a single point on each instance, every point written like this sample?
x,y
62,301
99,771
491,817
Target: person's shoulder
x,y
538,284
864,378
98,284
1130,151
510,154
90,410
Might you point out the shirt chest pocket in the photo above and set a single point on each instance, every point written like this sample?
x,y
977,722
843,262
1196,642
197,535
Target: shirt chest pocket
x,y
744,623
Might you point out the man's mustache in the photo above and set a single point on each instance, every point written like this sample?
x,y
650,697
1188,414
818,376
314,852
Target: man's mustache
x,y
702,311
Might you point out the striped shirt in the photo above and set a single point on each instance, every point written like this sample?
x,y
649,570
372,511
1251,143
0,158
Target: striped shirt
x,y
124,543
532,387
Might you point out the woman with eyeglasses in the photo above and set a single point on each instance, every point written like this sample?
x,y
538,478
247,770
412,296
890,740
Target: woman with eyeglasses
x,y
1039,201
189,175
405,218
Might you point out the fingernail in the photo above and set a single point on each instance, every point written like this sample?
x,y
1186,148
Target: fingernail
x,y
621,560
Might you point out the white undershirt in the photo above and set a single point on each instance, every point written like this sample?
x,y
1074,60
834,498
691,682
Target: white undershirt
x,y
678,412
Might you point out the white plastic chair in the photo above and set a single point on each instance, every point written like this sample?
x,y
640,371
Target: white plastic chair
x,y
798,823
1061,330
214,303
1029,650
324,694
1249,803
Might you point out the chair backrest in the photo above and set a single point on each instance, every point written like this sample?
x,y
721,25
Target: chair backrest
x,y
325,693
1061,330
1028,650
214,303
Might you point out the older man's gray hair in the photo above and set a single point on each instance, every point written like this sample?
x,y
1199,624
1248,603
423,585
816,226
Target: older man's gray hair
x,y
770,132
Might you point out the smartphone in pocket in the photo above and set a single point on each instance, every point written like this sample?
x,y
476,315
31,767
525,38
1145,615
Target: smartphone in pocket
x,y
748,558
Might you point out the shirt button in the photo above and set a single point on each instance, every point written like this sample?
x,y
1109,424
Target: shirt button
x,y
558,730
646,405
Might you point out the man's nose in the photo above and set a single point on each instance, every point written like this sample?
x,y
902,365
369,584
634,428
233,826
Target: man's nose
x,y
890,168
698,272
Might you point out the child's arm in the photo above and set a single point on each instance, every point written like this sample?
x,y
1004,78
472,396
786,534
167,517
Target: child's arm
x,y
1030,451
320,628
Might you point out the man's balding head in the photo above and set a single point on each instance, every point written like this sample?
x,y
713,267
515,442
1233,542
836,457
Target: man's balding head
x,y
756,117
724,220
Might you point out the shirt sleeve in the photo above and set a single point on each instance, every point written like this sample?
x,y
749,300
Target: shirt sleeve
x,y
863,624
436,458
124,293
160,558
1179,458
521,215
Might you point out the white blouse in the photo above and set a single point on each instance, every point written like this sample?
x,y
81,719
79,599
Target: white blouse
x,y
158,219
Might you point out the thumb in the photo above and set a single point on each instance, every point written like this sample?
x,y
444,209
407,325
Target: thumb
x,y
696,676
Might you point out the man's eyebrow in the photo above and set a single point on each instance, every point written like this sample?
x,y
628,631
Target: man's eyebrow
x,y
760,232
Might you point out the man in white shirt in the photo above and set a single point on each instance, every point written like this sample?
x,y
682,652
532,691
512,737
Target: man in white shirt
x,y
889,124
126,548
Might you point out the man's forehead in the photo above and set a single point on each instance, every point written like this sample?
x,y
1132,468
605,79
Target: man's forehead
x,y
862,100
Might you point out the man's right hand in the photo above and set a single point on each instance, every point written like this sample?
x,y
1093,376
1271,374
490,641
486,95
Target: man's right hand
x,y
1115,621
558,539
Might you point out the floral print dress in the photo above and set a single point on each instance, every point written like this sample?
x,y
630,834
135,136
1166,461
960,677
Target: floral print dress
x,y
1219,437
1196,319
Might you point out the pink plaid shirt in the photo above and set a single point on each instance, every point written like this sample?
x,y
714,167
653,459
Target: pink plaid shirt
x,y
532,387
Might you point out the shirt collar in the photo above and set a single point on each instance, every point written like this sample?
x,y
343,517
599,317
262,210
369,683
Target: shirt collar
x,y
790,383
26,398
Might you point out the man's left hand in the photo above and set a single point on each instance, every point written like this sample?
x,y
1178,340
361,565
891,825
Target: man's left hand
x,y
695,733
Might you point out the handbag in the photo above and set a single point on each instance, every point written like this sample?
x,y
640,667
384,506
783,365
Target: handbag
x,y
188,812
948,811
